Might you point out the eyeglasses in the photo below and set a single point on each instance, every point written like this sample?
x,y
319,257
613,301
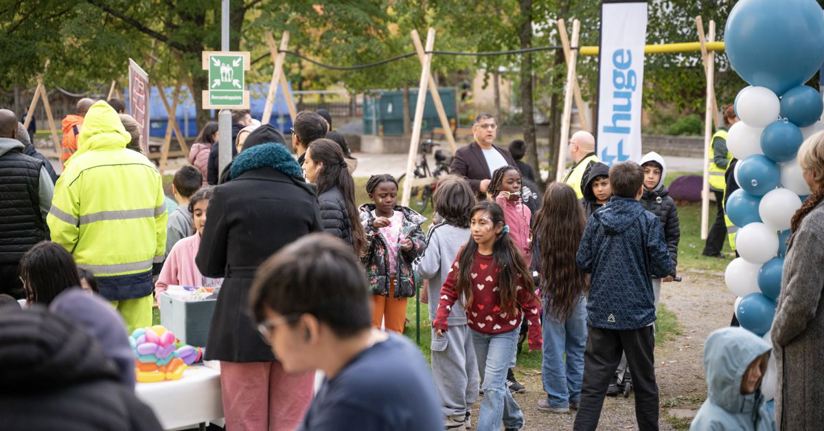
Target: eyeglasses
x,y
267,327
492,126
291,131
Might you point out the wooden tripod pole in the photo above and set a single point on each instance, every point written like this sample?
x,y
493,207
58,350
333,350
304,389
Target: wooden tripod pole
x,y
709,68
436,97
566,118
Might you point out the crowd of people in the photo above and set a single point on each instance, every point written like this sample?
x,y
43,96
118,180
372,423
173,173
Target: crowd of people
x,y
310,281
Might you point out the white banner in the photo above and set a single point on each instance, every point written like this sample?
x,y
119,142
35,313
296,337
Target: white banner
x,y
621,81
139,92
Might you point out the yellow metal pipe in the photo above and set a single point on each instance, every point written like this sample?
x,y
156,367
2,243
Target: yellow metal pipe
x,y
667,48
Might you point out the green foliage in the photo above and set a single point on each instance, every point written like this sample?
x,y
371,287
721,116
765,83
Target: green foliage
x,y
686,125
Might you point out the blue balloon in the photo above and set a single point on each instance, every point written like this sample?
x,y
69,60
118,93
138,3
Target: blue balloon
x,y
802,106
780,141
755,312
769,277
757,175
783,237
742,208
775,44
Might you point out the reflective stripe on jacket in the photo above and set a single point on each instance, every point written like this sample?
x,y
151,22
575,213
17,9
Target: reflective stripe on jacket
x,y
576,174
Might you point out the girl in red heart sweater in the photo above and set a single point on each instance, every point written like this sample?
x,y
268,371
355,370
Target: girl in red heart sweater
x,y
491,278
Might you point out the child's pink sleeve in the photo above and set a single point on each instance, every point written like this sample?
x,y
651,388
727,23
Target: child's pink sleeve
x,y
532,313
448,297
169,272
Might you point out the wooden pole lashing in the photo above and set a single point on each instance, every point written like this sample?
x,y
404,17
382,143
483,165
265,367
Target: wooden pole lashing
x,y
418,122
32,107
278,57
566,118
579,100
436,97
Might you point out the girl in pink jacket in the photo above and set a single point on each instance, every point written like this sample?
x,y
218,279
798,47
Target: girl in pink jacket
x,y
199,153
179,268
505,189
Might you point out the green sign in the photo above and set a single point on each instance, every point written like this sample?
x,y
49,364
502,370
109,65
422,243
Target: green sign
x,y
226,79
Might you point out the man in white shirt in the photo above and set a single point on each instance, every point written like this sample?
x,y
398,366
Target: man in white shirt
x,y
477,161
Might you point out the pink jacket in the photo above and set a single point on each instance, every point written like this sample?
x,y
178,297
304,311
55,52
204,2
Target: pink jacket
x,y
518,217
199,157
179,268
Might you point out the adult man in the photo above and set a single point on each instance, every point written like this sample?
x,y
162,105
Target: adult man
x,y
312,304
108,211
719,160
308,127
582,151
71,128
477,161
26,193
29,150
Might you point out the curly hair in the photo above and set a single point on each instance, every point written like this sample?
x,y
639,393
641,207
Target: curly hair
x,y
498,179
512,269
559,226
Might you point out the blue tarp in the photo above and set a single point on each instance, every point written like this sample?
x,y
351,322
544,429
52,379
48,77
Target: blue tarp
x,y
187,118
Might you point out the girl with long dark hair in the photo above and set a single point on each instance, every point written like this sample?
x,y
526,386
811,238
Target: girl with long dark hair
x,y
46,270
492,280
202,147
325,166
559,226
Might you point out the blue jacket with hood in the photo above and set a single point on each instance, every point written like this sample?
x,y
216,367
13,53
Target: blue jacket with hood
x,y
727,354
623,246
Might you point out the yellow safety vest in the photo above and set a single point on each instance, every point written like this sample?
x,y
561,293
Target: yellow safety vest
x,y
717,181
576,174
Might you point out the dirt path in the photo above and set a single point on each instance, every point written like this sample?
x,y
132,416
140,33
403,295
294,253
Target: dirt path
x,y
702,304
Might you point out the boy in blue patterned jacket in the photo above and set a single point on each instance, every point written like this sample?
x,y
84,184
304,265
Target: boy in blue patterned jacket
x,y
622,248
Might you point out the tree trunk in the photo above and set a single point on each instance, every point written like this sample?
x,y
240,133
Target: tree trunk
x,y
527,85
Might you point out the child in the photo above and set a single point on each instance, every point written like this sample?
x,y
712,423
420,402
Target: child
x,y
186,182
490,278
558,230
46,270
735,361
394,240
454,365
656,200
505,189
179,268
597,190
622,247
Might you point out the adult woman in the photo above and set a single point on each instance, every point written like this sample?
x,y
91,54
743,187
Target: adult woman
x,y
265,206
798,327
199,153
325,166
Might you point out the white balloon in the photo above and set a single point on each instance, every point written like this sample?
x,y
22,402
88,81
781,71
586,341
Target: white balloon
x,y
812,130
756,243
744,141
792,178
737,300
757,106
769,382
741,278
735,173
777,208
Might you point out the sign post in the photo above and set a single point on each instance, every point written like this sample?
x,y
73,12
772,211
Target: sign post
x,y
227,90
139,101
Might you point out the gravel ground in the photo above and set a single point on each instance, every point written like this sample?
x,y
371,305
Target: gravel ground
x,y
702,305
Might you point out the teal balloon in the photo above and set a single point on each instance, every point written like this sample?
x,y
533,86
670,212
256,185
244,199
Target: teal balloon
x,y
802,106
783,237
769,277
778,44
780,141
755,313
757,175
742,208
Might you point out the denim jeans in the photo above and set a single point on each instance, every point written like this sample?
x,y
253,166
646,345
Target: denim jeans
x,y
562,379
494,352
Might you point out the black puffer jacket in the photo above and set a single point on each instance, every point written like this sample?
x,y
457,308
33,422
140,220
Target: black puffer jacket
x,y
658,202
333,215
53,375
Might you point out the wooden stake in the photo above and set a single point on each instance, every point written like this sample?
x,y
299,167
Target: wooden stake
x,y
52,126
418,123
111,90
171,123
32,107
290,103
436,97
704,44
709,68
579,100
278,57
566,118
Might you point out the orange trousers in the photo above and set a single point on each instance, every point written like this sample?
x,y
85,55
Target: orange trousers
x,y
389,310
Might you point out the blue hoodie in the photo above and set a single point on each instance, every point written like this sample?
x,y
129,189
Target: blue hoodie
x,y
623,246
727,354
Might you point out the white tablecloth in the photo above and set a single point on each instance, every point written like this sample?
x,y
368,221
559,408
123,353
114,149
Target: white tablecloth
x,y
193,399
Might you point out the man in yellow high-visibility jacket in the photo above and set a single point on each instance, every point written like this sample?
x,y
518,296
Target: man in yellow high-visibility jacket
x,y
108,212
582,152
719,159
